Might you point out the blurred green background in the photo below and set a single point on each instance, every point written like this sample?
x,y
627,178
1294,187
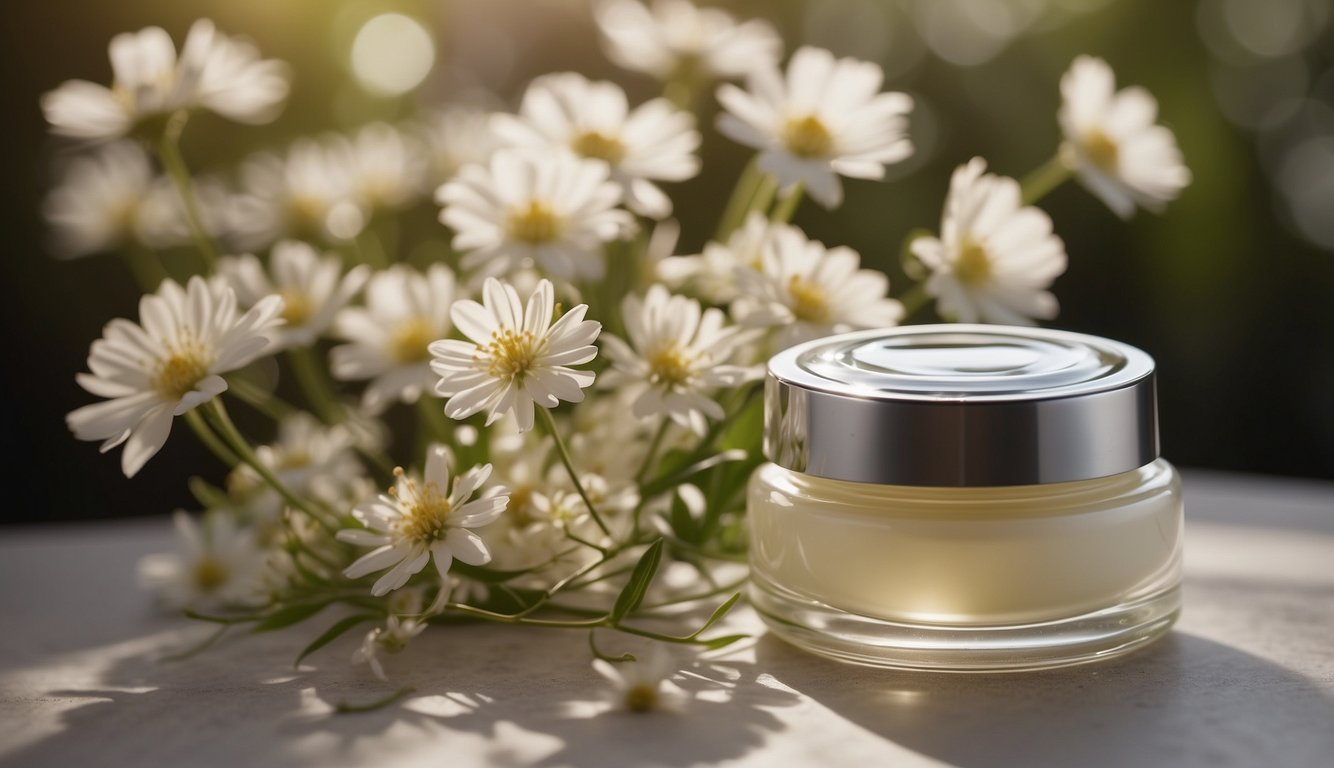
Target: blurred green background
x,y
1231,290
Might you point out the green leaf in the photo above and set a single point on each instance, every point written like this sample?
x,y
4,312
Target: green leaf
x,y
714,643
718,613
635,589
286,617
334,632
746,428
684,475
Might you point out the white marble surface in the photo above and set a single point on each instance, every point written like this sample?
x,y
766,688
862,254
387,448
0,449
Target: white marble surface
x,y
1247,678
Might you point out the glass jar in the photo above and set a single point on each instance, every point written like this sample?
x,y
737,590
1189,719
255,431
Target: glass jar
x,y
960,498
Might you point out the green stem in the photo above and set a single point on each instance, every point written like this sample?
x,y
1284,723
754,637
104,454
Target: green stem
x,y
787,207
652,450
913,299
550,423
315,384
216,414
210,440
169,151
747,184
436,425
256,397
1045,178
145,266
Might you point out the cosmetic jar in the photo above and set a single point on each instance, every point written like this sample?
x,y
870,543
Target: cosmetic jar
x,y
964,498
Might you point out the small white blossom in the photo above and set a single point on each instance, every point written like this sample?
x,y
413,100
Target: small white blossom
x,y
406,620
713,274
806,290
677,39
420,521
308,193
1118,152
554,210
216,565
653,142
162,218
516,356
995,256
405,311
643,685
312,459
98,204
167,364
675,359
827,119
214,72
313,288
389,168
457,137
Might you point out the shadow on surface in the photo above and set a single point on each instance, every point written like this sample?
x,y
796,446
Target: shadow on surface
x,y
496,695
1184,700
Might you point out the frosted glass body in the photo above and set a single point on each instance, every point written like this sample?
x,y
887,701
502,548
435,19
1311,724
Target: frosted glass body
x,y
968,556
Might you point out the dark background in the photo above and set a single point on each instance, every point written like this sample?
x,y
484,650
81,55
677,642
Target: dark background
x,y
1231,290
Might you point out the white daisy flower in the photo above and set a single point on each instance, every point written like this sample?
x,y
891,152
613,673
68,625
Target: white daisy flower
x,y
97,205
308,194
393,637
312,459
214,72
827,119
216,565
163,222
807,291
420,521
995,256
388,168
554,210
457,137
312,286
167,364
516,356
643,685
653,142
676,39
675,359
713,274
1118,152
405,311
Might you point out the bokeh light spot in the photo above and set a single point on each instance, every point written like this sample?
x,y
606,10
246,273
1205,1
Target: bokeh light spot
x,y
392,54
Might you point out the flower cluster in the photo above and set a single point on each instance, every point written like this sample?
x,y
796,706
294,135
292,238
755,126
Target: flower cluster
x,y
583,401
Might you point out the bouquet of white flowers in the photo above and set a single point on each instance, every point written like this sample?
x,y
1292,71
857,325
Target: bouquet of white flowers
x,y
587,402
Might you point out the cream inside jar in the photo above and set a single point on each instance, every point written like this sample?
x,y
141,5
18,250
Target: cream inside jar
x,y
964,498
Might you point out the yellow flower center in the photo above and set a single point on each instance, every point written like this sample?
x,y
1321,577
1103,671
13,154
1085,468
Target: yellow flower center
x,y
306,212
520,507
427,508
641,697
410,339
297,307
1101,150
807,137
670,366
296,458
511,353
973,265
209,574
178,374
809,300
599,146
535,223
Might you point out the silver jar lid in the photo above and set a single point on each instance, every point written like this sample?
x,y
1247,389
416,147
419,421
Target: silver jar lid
x,y
961,405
